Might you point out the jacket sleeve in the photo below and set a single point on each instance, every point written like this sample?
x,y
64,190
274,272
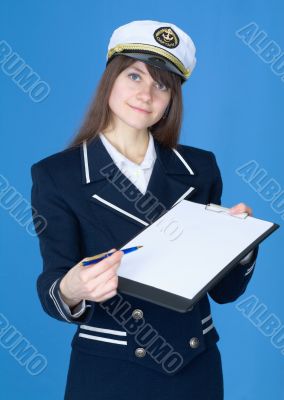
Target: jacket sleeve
x,y
57,229
235,282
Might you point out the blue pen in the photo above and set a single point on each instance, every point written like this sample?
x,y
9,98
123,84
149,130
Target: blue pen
x,y
101,256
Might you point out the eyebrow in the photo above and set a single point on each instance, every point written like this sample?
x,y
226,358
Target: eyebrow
x,y
138,69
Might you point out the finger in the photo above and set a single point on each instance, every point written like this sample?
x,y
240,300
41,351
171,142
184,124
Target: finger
x,y
105,288
248,210
104,277
240,208
236,207
107,296
93,258
94,270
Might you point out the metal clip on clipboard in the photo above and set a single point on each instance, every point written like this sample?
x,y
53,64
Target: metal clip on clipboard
x,y
224,210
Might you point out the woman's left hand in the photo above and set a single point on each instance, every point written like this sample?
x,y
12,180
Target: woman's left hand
x,y
240,208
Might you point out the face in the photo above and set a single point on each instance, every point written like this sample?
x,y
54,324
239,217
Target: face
x,y
136,99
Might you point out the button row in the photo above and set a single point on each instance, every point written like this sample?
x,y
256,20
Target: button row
x,y
140,352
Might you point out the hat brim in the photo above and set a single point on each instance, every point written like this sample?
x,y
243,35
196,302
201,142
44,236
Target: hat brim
x,y
155,61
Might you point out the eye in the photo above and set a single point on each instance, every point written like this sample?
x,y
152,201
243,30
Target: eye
x,y
162,86
133,74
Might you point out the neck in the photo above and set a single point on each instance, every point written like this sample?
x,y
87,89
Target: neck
x,y
131,142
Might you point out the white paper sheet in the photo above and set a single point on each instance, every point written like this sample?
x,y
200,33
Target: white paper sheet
x,y
187,247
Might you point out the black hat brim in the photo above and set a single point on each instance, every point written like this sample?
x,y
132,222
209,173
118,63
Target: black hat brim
x,y
153,60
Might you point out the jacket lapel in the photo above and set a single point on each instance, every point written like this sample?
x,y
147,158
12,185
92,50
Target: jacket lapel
x,y
172,180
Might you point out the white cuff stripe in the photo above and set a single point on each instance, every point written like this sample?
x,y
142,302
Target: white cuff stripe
x,y
204,320
101,339
51,294
68,311
208,329
80,312
250,269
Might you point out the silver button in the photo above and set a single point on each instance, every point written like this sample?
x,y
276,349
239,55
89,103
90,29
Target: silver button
x,y
194,342
140,352
137,314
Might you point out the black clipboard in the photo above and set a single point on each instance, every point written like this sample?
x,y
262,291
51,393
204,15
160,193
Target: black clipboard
x,y
174,301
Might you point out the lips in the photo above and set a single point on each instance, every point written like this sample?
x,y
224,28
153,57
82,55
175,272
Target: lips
x,y
141,110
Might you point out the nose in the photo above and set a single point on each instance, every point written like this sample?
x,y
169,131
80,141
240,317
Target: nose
x,y
145,92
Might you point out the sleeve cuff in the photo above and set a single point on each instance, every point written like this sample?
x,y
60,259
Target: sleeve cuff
x,y
77,311
247,258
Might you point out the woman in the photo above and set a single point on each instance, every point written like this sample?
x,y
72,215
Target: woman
x,y
126,157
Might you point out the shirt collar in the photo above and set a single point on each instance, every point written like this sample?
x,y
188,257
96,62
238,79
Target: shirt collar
x,y
120,160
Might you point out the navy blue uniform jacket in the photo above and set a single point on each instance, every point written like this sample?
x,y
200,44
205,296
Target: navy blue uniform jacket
x,y
90,208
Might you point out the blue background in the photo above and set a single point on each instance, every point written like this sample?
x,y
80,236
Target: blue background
x,y
233,106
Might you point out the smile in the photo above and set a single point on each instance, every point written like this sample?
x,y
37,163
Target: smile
x,y
140,110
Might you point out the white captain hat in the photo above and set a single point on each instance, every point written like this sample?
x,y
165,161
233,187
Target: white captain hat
x,y
161,44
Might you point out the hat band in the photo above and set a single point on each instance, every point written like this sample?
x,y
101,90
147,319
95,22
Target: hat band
x,y
152,49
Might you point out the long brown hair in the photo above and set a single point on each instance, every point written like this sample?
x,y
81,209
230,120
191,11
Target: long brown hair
x,y
166,131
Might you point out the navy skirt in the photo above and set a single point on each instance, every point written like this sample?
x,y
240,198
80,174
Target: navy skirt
x,y
92,377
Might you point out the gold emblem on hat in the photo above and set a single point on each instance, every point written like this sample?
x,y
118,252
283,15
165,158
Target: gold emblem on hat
x,y
167,37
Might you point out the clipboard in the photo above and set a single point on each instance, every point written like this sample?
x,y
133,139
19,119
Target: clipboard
x,y
187,251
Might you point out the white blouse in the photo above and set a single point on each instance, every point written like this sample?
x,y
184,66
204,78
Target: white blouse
x,y
138,174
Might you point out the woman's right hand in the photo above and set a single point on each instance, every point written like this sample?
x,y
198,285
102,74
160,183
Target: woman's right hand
x,y
96,282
